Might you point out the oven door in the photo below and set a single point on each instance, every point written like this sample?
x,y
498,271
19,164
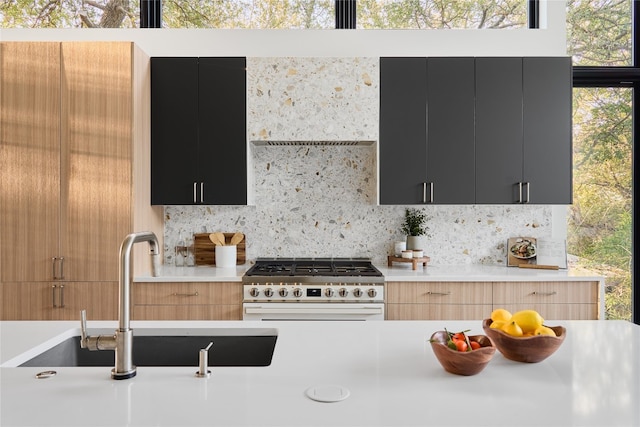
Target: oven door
x,y
312,311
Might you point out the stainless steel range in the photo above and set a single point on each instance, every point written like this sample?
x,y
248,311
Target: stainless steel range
x,y
313,289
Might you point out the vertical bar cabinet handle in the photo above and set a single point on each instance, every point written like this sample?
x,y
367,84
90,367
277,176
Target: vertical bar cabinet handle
x,y
53,267
195,192
61,268
431,192
202,192
53,295
61,296
528,184
424,192
520,192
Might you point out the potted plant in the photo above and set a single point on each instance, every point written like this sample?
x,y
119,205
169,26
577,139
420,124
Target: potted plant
x,y
414,227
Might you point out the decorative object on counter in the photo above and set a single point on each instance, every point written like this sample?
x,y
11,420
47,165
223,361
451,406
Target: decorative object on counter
x,y
226,256
399,247
528,349
414,261
414,227
217,239
189,254
180,254
418,253
407,254
529,252
462,362
204,249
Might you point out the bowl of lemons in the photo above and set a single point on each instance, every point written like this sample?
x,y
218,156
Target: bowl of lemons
x,y
523,336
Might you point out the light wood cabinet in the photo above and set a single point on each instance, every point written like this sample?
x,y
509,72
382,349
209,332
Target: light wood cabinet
x,y
437,300
553,300
75,119
187,301
59,300
561,300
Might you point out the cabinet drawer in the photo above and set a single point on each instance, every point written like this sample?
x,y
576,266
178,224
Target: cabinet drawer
x,y
545,293
437,311
439,292
188,312
187,293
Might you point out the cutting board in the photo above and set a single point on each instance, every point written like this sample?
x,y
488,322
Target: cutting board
x,y
205,250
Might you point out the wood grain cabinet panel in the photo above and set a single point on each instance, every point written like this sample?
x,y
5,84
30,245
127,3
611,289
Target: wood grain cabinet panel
x,y
562,300
59,300
187,301
70,113
438,300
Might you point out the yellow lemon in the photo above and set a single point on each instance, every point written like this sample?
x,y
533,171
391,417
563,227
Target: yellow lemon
x,y
544,330
497,324
512,328
500,314
528,320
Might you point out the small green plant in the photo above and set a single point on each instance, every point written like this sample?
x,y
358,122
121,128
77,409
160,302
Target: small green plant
x,y
414,223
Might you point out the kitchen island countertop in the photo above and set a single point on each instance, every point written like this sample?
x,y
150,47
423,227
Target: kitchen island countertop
x,y
389,368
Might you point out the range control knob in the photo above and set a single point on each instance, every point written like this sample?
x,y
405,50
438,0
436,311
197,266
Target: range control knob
x,y
254,292
297,292
328,292
372,293
283,292
343,292
357,292
268,292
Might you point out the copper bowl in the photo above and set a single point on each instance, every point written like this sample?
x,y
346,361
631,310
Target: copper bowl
x,y
525,349
462,362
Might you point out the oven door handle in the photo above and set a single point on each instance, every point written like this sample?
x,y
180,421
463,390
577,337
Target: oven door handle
x,y
314,310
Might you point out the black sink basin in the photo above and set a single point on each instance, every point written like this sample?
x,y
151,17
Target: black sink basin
x,y
239,347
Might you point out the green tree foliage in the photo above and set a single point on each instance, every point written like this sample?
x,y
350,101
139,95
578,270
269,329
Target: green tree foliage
x,y
599,32
442,14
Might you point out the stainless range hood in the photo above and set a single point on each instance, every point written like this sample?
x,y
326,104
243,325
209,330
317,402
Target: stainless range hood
x,y
314,143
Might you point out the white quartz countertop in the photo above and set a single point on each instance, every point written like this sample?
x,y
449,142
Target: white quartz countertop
x,y
397,273
388,367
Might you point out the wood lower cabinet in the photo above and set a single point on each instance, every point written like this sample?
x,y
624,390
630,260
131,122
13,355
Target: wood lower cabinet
x,y
553,300
437,300
187,301
561,300
59,300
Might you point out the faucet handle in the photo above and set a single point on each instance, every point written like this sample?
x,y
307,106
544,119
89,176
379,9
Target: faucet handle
x,y
83,328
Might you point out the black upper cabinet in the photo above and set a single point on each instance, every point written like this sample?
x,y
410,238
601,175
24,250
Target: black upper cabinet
x,y
403,131
475,130
547,130
523,130
450,131
499,147
198,131
426,130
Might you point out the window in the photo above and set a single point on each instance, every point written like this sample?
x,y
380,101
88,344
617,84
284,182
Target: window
x,y
600,222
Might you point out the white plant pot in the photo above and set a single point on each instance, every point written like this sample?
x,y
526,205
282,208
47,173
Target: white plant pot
x,y
415,242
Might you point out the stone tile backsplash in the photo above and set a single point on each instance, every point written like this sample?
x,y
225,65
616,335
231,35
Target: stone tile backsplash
x,y
320,201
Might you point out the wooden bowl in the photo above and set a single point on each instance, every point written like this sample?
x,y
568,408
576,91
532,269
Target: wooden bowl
x,y
462,362
525,349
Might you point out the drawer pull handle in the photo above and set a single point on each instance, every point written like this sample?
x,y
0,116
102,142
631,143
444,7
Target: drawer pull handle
x,y
546,294
195,294
438,293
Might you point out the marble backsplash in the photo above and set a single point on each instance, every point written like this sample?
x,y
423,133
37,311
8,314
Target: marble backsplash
x,y
320,201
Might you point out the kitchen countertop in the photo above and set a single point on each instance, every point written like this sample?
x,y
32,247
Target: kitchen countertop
x,y
397,273
389,368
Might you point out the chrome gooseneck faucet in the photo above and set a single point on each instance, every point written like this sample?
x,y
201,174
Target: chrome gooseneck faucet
x,y
122,340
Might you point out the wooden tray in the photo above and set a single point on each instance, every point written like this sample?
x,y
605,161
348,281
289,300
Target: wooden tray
x,y
205,250
391,259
